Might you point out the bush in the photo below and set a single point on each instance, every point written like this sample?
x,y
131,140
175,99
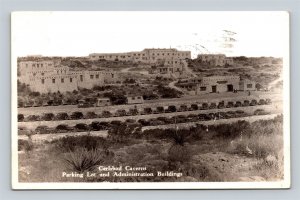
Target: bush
x,y
76,115
70,143
24,145
48,117
82,160
20,117
179,153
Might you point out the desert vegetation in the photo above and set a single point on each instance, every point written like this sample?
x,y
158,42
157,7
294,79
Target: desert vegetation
x,y
225,152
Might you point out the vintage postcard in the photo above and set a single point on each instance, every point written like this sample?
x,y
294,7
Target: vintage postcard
x,y
150,100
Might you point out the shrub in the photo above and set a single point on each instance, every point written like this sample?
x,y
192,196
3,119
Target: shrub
x,y
82,160
20,117
62,116
24,145
48,117
70,143
179,153
76,115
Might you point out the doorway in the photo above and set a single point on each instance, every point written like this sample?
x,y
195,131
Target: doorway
x,y
214,88
230,88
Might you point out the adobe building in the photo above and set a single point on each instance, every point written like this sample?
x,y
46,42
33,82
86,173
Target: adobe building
x,y
103,102
48,76
145,56
135,99
217,84
215,59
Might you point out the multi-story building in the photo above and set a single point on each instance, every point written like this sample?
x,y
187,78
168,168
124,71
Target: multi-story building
x,y
146,56
215,59
48,76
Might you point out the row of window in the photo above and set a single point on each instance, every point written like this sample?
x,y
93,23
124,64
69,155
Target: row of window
x,y
153,54
39,65
62,80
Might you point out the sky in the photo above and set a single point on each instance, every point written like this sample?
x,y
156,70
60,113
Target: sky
x,y
250,34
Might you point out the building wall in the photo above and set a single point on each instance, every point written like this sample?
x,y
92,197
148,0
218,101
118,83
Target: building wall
x,y
215,59
44,77
247,85
135,99
147,55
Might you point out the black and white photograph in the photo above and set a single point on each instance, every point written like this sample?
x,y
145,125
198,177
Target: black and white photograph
x,y
150,100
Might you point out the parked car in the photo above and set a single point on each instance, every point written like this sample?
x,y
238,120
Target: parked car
x,y
213,106
261,112
120,113
147,111
182,108
204,106
238,104
261,102
76,115
230,104
246,103
106,114
253,102
160,109
171,109
194,107
221,105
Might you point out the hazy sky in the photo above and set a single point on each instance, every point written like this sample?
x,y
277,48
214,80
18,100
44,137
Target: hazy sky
x,y
81,33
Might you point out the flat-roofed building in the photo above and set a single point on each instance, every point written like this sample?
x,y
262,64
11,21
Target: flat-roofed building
x,y
146,55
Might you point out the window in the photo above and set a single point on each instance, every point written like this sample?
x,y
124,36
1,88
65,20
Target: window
x,y
112,75
132,98
62,80
53,80
202,88
249,85
97,75
71,80
37,65
91,76
43,81
41,65
43,74
139,97
33,65
81,77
